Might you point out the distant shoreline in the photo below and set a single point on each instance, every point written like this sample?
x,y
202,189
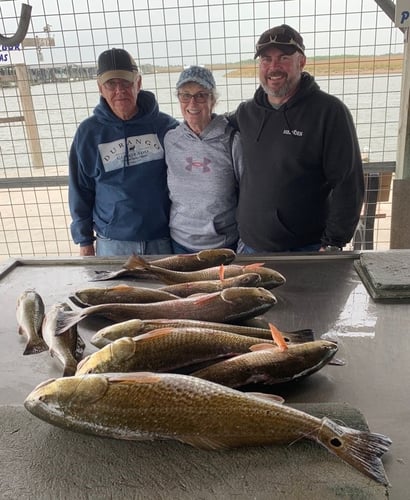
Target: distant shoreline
x,y
320,66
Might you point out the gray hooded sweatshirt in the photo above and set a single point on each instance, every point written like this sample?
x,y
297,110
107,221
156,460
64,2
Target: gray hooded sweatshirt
x,y
203,177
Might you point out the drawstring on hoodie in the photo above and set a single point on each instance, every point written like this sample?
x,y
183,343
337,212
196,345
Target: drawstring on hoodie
x,y
265,119
262,125
290,128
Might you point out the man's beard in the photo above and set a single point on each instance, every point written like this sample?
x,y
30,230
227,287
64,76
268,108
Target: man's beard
x,y
282,92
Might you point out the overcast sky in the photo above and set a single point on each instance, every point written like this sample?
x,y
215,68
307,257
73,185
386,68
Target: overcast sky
x,y
175,32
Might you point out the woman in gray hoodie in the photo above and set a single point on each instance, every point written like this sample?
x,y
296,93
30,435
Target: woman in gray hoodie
x,y
204,159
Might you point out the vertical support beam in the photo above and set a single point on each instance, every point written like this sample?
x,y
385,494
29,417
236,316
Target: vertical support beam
x,y
400,225
29,115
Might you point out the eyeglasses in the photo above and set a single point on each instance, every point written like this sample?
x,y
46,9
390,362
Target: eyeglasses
x,y
199,97
280,39
122,84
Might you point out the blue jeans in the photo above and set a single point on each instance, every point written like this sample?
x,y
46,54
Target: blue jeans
x,y
179,249
245,249
106,247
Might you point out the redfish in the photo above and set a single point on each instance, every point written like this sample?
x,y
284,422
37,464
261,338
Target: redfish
x,y
203,414
270,365
182,262
269,277
227,306
167,349
134,327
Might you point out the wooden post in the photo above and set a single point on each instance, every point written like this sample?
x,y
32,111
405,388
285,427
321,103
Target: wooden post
x,y
23,84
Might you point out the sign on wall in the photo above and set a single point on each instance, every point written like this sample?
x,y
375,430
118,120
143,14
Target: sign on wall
x,y
402,16
11,54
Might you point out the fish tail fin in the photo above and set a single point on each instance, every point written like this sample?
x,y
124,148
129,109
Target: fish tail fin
x,y
299,336
67,319
360,449
77,302
35,347
136,262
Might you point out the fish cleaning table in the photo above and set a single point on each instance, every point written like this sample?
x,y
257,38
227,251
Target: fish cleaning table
x,y
323,292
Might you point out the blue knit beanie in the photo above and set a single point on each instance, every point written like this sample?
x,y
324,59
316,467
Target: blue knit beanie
x,y
197,74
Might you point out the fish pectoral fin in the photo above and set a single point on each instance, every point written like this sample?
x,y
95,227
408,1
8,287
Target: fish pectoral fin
x,y
278,337
337,362
205,443
262,347
203,298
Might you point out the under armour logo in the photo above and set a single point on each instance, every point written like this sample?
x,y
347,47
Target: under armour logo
x,y
198,164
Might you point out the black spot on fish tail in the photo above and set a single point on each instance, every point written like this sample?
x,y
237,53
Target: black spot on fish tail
x,y
299,336
360,449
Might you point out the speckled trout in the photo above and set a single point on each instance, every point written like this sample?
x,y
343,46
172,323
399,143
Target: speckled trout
x,y
269,277
134,327
226,306
167,349
203,414
182,262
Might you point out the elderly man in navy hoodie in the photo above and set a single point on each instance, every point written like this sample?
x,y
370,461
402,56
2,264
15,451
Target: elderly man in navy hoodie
x,y
118,191
302,186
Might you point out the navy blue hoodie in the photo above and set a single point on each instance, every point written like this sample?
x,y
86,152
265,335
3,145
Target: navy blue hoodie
x,y
303,179
117,174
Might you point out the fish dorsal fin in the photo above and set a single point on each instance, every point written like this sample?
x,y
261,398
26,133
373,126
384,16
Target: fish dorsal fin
x,y
134,377
278,337
255,265
122,288
159,332
221,272
262,347
269,397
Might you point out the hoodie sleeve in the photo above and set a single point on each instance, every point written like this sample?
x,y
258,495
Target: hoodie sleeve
x,y
344,171
81,196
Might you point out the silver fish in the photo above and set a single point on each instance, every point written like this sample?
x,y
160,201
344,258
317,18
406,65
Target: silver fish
x,y
167,349
134,327
30,314
270,365
67,348
226,306
182,262
196,412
